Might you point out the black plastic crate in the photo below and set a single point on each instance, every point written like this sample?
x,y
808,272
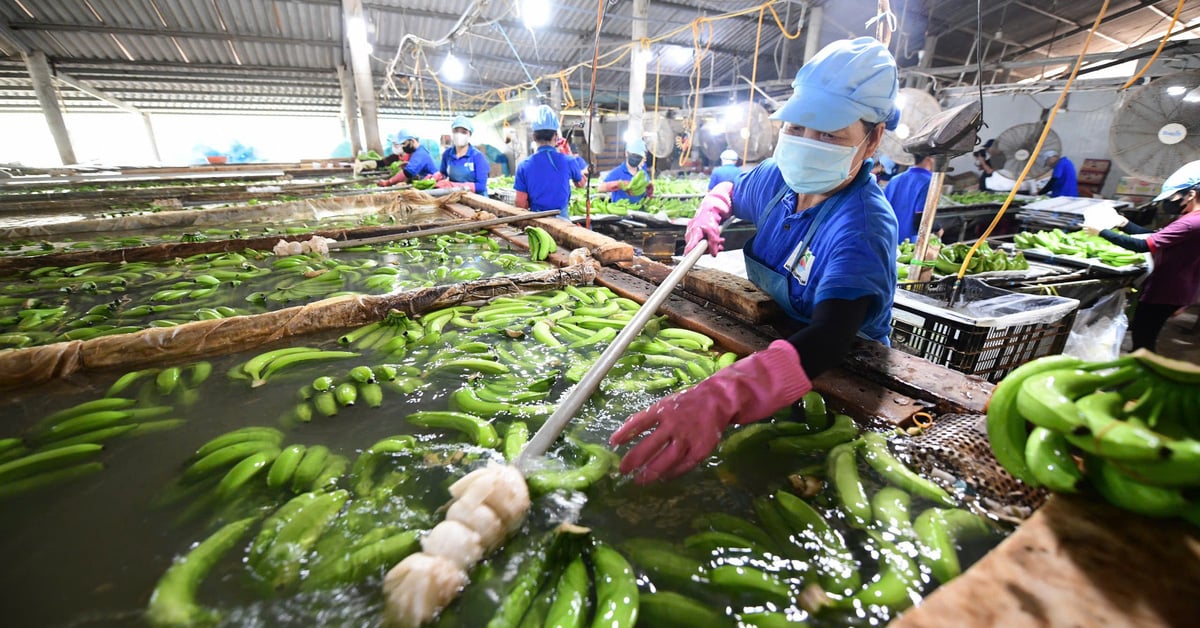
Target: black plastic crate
x,y
987,346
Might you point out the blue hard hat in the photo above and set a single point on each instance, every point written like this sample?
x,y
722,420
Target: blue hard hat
x,y
464,123
544,119
848,80
635,147
1185,178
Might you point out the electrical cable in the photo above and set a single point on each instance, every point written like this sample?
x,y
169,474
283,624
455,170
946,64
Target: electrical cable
x,y
753,85
591,105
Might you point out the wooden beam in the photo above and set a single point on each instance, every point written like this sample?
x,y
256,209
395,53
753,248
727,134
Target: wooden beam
x,y
43,87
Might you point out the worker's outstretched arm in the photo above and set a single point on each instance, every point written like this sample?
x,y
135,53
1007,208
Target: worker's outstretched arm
x,y
686,426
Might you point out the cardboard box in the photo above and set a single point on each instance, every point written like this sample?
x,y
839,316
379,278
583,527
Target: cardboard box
x,y
1100,165
1139,187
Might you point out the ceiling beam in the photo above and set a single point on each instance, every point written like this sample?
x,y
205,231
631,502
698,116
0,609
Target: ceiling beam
x,y
1141,4
1064,20
108,29
968,20
93,91
12,40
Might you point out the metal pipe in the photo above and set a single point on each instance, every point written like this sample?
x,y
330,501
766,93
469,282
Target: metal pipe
x,y
928,214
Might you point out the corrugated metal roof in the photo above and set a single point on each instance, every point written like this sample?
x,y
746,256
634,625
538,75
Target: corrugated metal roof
x,y
154,44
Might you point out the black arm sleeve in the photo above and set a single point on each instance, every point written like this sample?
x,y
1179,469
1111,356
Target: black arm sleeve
x,y
825,343
1127,242
1133,227
1046,188
387,161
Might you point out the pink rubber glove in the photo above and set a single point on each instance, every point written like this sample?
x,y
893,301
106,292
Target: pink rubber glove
x,y
687,425
706,224
437,176
443,184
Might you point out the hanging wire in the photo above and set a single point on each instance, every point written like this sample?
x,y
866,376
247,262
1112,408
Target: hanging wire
x,y
1167,35
979,60
517,56
1037,149
753,86
591,105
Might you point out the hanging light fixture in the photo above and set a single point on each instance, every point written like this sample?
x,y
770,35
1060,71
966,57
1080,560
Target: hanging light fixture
x,y
452,68
535,13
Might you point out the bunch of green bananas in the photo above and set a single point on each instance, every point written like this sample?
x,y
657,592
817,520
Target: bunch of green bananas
x,y
541,243
1132,422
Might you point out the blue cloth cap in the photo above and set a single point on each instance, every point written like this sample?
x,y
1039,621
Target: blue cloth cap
x,y
635,147
544,119
403,135
1185,178
463,122
848,80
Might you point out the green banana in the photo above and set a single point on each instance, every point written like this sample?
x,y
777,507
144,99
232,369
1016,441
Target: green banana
x,y
939,531
241,435
842,471
1005,425
285,465
243,472
1125,492
228,456
311,355
1050,462
876,453
1110,436
49,460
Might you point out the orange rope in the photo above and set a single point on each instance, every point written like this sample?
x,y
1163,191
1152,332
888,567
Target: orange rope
x,y
1174,18
1038,148
753,82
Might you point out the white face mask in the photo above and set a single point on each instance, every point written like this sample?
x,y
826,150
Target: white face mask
x,y
812,167
461,139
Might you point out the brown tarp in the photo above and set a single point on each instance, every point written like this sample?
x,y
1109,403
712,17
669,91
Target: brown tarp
x,y
156,345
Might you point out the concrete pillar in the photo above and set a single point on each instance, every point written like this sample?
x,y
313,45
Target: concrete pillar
x,y
926,62
150,135
360,61
349,111
637,70
812,40
43,87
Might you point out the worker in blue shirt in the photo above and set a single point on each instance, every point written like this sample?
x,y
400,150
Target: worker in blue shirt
x,y
727,171
544,179
617,180
1062,179
419,164
825,250
463,165
906,192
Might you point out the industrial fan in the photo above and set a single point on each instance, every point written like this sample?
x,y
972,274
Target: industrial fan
x,y
658,134
916,107
575,129
754,126
1014,148
1157,129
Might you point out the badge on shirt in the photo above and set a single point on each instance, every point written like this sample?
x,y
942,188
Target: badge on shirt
x,y
800,264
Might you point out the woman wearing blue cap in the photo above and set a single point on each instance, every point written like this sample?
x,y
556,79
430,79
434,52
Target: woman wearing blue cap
x,y
1175,248
416,162
544,179
825,250
727,171
617,180
463,165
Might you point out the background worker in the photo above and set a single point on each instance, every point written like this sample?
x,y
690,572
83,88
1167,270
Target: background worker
x,y
463,165
1062,179
906,192
415,160
825,250
727,171
1175,248
544,178
617,180
984,158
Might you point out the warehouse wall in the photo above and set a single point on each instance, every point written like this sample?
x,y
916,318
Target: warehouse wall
x,y
1082,127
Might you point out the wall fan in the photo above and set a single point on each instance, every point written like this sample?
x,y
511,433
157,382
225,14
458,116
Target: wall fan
x,y
916,108
1014,147
658,134
1157,128
757,127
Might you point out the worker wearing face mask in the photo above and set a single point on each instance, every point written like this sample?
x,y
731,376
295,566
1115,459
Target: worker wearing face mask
x,y
1175,248
463,165
415,161
825,250
617,180
544,179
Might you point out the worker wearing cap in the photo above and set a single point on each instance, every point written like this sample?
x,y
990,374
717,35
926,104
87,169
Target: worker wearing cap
x,y
983,160
1062,179
544,178
617,180
727,171
463,165
825,250
906,193
415,161
1175,249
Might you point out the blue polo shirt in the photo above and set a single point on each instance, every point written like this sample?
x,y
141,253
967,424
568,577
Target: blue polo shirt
x,y
622,173
473,166
854,251
722,174
906,193
546,177
420,164
1062,181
